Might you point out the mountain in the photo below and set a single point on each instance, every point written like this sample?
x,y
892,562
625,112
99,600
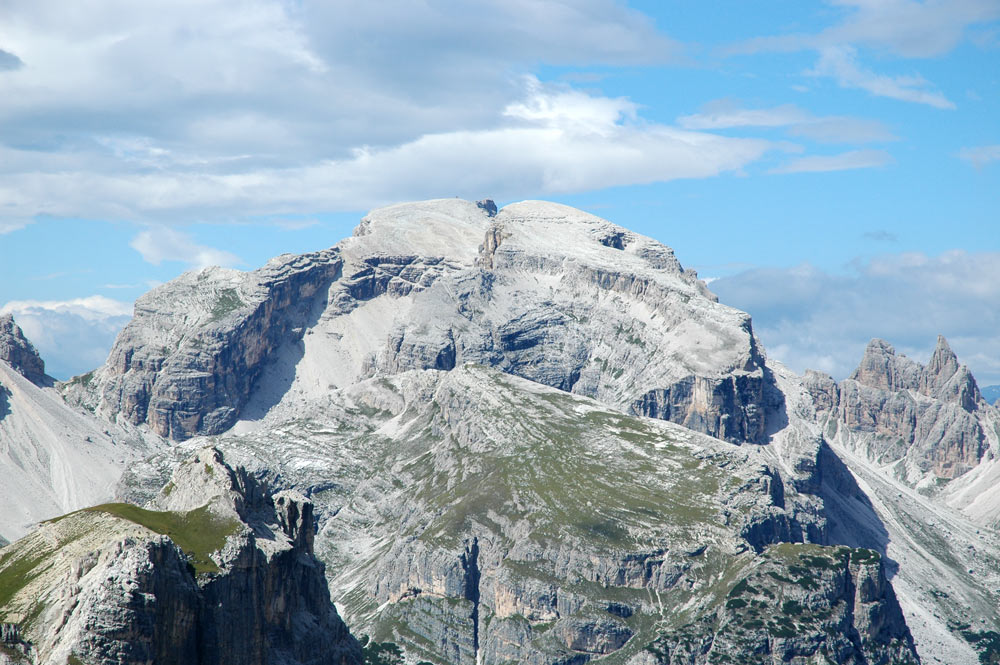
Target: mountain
x,y
220,570
930,423
554,295
991,394
53,458
530,435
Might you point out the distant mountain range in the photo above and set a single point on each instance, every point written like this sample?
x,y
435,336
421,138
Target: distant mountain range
x,y
524,435
991,394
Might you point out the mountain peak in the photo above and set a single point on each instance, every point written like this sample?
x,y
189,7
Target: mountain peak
x,y
877,368
943,363
19,352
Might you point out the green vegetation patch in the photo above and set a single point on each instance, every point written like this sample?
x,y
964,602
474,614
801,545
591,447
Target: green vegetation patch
x,y
781,627
792,607
15,574
742,587
380,653
228,301
197,532
865,556
83,379
986,643
550,456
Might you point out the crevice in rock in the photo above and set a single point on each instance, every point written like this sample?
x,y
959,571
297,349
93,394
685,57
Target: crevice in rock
x,y
4,401
615,240
470,564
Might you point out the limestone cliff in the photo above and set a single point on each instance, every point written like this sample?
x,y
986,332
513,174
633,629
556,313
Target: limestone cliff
x,y
229,577
931,421
187,361
515,428
473,516
54,458
797,605
18,352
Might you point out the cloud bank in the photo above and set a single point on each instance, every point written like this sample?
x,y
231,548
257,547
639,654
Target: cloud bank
x,y
980,156
91,323
900,28
809,318
268,107
551,140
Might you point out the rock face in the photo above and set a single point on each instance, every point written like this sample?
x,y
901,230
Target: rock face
x,y
233,580
18,352
539,290
515,428
186,363
473,516
931,421
798,604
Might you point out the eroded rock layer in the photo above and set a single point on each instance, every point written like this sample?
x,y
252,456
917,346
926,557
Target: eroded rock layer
x,y
228,577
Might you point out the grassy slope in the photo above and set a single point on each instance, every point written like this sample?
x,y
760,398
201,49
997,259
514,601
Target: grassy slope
x,y
30,564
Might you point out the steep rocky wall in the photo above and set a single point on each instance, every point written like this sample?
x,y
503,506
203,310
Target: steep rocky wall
x,y
107,585
799,605
188,360
579,304
18,352
930,419
538,290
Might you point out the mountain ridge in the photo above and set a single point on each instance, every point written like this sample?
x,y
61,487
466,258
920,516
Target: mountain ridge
x,y
526,432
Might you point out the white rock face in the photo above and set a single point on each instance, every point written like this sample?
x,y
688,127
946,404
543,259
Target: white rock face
x,y
539,290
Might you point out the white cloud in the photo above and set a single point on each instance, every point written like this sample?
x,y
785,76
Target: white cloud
x,y
223,109
72,336
843,129
840,63
980,156
725,114
904,28
854,159
90,308
160,243
9,61
551,140
907,28
808,318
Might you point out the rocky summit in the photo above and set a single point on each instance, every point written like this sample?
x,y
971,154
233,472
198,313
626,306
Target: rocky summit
x,y
498,435
18,352
216,569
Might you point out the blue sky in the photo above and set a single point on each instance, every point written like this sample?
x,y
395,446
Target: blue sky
x,y
832,167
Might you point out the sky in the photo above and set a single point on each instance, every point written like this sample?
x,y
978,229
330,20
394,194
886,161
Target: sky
x,y
833,168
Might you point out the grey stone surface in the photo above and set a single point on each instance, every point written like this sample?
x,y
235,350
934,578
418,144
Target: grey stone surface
x,y
931,419
101,586
542,291
18,352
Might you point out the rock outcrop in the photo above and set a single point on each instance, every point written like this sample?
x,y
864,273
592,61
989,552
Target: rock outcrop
x,y
54,458
231,580
18,352
929,419
515,428
799,605
186,363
